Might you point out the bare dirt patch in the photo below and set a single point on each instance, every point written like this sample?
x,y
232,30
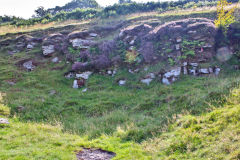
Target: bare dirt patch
x,y
95,154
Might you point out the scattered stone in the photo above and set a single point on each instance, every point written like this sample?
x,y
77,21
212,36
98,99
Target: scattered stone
x,y
55,60
210,70
95,154
147,81
194,64
177,46
179,40
185,64
4,121
193,71
30,46
84,75
166,81
84,90
185,70
48,50
109,72
151,75
69,75
78,83
93,34
192,32
132,42
81,43
122,82
29,65
217,71
75,84
204,71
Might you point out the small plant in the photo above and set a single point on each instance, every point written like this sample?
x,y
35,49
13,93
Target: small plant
x,y
171,61
131,56
225,15
190,53
188,48
169,50
73,51
94,50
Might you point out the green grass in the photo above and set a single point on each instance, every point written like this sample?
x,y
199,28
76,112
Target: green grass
x,y
25,141
142,111
213,135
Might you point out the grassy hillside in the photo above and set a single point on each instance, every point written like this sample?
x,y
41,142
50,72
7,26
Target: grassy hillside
x,y
194,118
214,135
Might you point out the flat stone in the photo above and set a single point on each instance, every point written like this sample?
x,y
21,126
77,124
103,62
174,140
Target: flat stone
x,y
177,46
84,90
4,121
109,72
70,75
30,46
147,81
48,50
179,40
122,82
193,72
84,75
192,32
93,34
166,81
194,64
217,71
80,43
174,72
55,60
29,65
210,70
185,64
75,84
204,71
132,42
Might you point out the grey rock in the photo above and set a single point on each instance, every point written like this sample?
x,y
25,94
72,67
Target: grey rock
x,y
75,84
93,34
55,60
204,71
29,65
179,40
194,64
217,71
177,46
4,121
210,70
166,81
84,75
122,82
48,50
81,43
147,81
69,75
84,90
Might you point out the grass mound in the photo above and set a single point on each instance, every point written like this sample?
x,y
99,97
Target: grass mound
x,y
214,135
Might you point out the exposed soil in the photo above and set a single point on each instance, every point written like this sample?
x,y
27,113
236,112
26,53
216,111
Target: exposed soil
x,y
94,154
